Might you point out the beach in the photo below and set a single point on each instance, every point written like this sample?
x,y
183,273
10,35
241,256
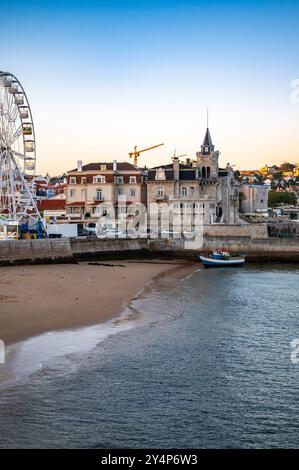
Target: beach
x,y
39,299
199,360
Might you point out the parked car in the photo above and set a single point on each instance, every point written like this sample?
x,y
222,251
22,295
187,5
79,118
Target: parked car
x,y
189,234
112,233
83,233
170,233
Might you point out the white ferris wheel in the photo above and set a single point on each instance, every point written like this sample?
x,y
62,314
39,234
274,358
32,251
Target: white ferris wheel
x,y
17,154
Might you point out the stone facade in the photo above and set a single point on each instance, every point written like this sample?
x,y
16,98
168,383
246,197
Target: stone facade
x,y
254,198
198,184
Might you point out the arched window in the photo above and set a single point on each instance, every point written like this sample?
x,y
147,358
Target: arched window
x,y
192,191
203,171
208,172
184,191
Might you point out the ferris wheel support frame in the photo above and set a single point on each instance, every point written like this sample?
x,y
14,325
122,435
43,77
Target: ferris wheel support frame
x,y
17,169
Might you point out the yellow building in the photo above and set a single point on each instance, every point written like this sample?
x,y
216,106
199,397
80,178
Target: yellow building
x,y
296,171
264,171
288,174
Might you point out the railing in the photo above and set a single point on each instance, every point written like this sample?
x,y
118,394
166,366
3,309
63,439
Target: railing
x,y
208,179
161,197
98,199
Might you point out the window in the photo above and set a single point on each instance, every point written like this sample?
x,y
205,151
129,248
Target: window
x,y
99,179
133,179
133,192
98,195
120,179
103,167
83,180
72,193
120,192
73,210
160,191
160,174
184,191
208,172
73,180
84,193
192,191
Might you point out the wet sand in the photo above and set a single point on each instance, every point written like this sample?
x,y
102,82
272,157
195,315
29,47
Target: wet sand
x,y
38,299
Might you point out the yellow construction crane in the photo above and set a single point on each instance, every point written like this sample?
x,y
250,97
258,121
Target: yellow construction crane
x,y
137,153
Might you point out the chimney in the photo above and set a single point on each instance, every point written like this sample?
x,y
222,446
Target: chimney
x,y
114,166
79,165
176,168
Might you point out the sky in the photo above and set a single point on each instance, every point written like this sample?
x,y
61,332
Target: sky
x,y
104,76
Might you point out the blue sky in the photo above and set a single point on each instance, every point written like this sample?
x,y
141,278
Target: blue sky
x,y
103,76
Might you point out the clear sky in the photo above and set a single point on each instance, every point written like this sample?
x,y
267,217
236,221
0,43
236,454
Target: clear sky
x,y
103,76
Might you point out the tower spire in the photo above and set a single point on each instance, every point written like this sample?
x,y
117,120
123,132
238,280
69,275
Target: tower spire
x,y
207,145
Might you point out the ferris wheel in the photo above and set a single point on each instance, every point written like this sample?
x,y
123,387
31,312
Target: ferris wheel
x,y
17,154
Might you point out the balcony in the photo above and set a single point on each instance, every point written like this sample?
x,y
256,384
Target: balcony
x,y
161,198
208,179
98,199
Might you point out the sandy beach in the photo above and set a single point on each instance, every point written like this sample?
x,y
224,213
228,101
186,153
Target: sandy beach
x,y
37,299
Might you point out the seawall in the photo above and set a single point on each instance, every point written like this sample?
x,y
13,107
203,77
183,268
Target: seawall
x,y
17,252
67,250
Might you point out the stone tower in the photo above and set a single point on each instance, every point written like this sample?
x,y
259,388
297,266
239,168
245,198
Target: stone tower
x,y
207,158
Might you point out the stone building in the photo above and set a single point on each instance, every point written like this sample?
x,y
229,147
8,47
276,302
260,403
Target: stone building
x,y
254,198
199,183
94,187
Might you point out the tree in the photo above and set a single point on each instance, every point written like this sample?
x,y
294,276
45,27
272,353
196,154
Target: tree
x,y
259,178
278,175
286,166
237,175
276,198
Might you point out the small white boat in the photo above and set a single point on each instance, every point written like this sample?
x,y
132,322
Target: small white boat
x,y
222,259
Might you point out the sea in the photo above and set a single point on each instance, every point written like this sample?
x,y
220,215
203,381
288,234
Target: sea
x,y
207,361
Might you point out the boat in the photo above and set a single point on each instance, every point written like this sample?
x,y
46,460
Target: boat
x,y
220,259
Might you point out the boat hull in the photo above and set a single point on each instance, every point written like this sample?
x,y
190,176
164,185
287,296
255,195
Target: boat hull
x,y
221,263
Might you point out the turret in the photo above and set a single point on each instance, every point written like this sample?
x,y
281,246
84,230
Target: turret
x,y
207,158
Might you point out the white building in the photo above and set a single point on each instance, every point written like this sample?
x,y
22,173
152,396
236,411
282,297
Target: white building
x,y
254,198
